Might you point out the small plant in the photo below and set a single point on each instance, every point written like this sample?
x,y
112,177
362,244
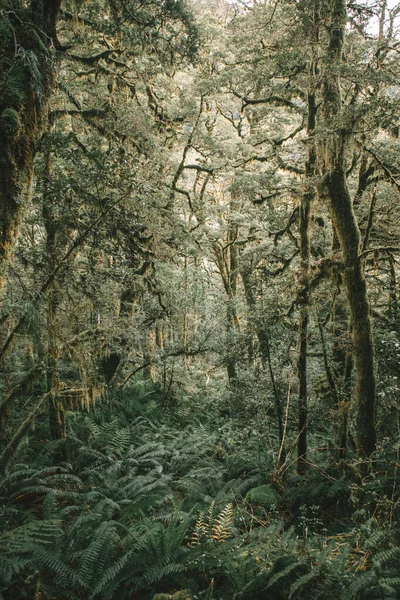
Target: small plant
x,y
213,527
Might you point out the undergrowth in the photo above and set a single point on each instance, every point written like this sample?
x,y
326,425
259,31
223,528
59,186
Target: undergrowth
x,y
147,507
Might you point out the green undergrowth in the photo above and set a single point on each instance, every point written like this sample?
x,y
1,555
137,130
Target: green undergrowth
x,y
156,505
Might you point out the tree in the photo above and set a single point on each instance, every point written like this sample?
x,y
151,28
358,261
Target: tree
x,y
28,66
29,61
345,224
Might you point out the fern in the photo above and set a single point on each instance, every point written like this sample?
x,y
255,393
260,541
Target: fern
x,y
381,559
361,587
222,526
302,582
282,574
98,554
112,574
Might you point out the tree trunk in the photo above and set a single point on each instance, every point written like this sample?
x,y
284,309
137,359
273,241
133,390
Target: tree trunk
x,y
57,425
342,371
233,320
307,199
264,345
303,330
149,371
227,258
27,68
346,226
111,360
393,296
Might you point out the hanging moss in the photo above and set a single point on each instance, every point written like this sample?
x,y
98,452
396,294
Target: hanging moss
x,y
11,123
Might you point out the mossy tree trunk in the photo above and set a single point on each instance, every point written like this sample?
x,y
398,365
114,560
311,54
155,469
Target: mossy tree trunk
x,y
307,199
57,424
27,70
306,202
227,259
112,358
342,371
149,343
346,226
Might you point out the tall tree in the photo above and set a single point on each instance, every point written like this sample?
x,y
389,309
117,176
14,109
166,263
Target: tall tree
x,y
344,221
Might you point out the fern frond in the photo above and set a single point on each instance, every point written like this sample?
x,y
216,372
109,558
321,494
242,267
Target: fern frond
x,y
210,515
111,574
364,582
222,526
282,574
36,533
200,530
390,585
304,580
98,555
381,559
50,505
158,572
50,562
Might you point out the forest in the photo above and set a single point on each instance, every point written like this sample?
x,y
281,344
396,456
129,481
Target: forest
x,y
199,299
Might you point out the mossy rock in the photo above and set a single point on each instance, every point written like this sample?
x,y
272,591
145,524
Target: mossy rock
x,y
263,495
10,123
182,595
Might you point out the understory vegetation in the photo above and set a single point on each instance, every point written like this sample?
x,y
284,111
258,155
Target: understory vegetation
x,y
144,501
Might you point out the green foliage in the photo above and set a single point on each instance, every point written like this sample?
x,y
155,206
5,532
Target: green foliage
x,y
265,496
5,32
15,89
182,595
117,517
10,123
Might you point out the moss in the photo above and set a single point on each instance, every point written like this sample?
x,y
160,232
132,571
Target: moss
x,y
264,495
14,93
5,33
10,123
31,40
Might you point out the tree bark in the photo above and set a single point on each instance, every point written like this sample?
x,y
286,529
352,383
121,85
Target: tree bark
x,y
227,259
346,226
57,423
307,199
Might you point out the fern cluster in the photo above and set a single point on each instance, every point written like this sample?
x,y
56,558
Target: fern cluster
x,y
154,509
